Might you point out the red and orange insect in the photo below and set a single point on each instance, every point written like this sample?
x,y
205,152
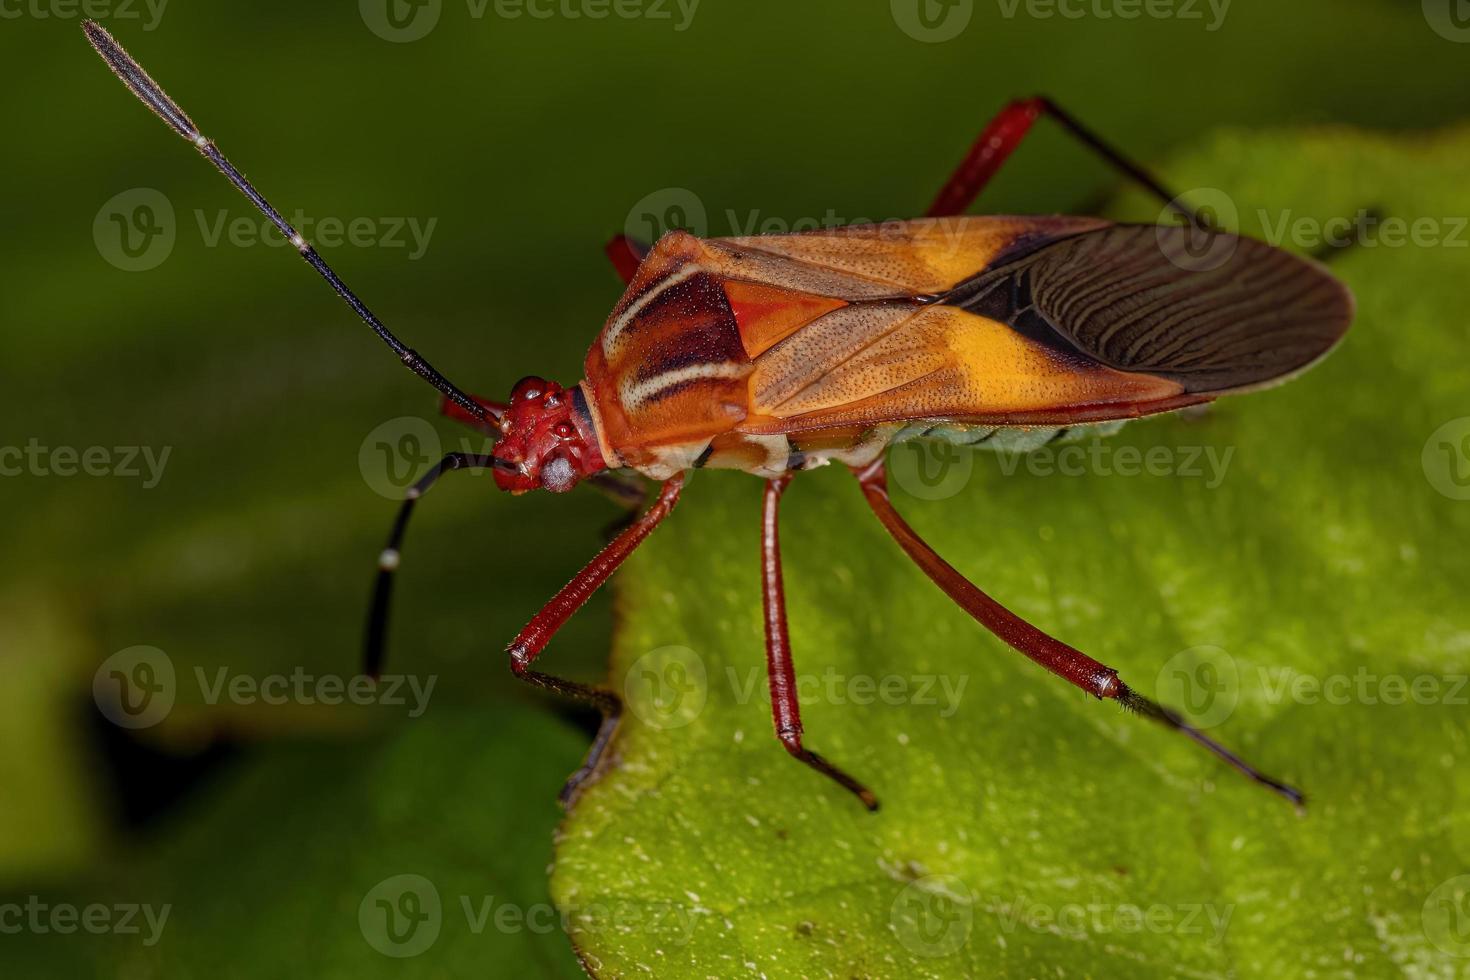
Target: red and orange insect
x,y
775,354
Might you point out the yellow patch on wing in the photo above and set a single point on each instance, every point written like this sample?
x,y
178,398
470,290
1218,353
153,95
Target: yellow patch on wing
x,y
880,362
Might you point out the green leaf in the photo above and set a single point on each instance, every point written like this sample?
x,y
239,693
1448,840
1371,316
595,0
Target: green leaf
x,y
1305,595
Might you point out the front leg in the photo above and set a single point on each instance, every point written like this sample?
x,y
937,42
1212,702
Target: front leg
x,y
785,707
532,640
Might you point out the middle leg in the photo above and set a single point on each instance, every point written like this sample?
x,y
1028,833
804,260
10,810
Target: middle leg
x,y
785,707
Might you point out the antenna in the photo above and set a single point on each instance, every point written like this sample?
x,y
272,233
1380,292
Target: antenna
x,y
154,97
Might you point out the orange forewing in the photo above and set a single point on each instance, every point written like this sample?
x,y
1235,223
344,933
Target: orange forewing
x,y
767,315
839,328
932,362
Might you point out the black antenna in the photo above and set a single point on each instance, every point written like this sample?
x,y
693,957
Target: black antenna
x,y
155,98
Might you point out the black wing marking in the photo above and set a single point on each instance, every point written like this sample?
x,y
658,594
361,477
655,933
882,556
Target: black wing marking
x,y
1215,316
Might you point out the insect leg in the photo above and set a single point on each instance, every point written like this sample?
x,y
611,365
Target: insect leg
x,y
532,640
785,707
1066,662
1004,134
450,410
377,623
625,253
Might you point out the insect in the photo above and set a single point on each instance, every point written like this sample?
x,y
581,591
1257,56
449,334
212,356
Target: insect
x,y
776,354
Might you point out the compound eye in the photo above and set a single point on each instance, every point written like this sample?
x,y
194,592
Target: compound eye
x,y
528,389
558,474
564,430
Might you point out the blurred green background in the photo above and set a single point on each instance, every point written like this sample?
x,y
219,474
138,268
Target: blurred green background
x,y
518,143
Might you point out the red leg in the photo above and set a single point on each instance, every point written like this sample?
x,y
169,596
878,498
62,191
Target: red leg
x,y
1070,664
785,708
529,643
1005,133
463,416
625,254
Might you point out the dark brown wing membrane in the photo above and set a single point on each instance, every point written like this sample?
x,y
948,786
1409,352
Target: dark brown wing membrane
x,y
1214,314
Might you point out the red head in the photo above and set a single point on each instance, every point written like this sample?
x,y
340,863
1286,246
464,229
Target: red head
x,y
548,434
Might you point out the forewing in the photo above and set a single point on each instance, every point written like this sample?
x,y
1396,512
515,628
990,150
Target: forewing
x,y
1112,322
